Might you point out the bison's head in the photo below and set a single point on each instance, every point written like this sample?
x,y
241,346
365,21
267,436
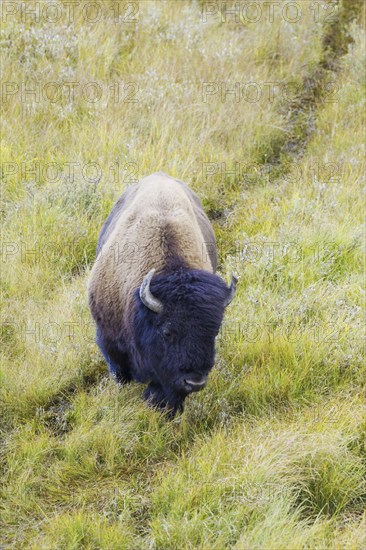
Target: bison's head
x,y
177,317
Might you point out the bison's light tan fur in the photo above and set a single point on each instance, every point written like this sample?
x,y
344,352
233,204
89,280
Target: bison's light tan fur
x,y
152,223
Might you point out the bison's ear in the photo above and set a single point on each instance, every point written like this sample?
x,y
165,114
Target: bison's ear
x,y
231,290
147,298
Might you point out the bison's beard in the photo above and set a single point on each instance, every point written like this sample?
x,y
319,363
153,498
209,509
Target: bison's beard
x,y
165,399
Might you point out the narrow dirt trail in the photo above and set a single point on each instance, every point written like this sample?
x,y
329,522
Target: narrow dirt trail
x,y
300,114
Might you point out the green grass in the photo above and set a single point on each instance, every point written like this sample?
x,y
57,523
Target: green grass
x,y
272,455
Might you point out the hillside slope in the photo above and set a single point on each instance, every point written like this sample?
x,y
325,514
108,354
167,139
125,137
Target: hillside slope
x,y
265,120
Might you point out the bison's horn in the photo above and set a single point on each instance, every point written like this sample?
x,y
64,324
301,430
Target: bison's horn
x,y
232,289
147,298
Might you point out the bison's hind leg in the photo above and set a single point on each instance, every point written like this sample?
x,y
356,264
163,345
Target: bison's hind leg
x,y
118,361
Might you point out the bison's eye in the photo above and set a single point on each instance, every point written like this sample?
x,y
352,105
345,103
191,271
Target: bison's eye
x,y
167,333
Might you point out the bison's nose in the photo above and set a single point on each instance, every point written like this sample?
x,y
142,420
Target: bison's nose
x,y
195,385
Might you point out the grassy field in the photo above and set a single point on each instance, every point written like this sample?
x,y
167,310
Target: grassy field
x,y
263,114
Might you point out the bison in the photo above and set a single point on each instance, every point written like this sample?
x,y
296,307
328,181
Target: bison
x,y
153,293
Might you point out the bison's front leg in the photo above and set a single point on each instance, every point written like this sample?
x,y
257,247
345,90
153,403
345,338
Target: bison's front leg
x,y
164,399
117,360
